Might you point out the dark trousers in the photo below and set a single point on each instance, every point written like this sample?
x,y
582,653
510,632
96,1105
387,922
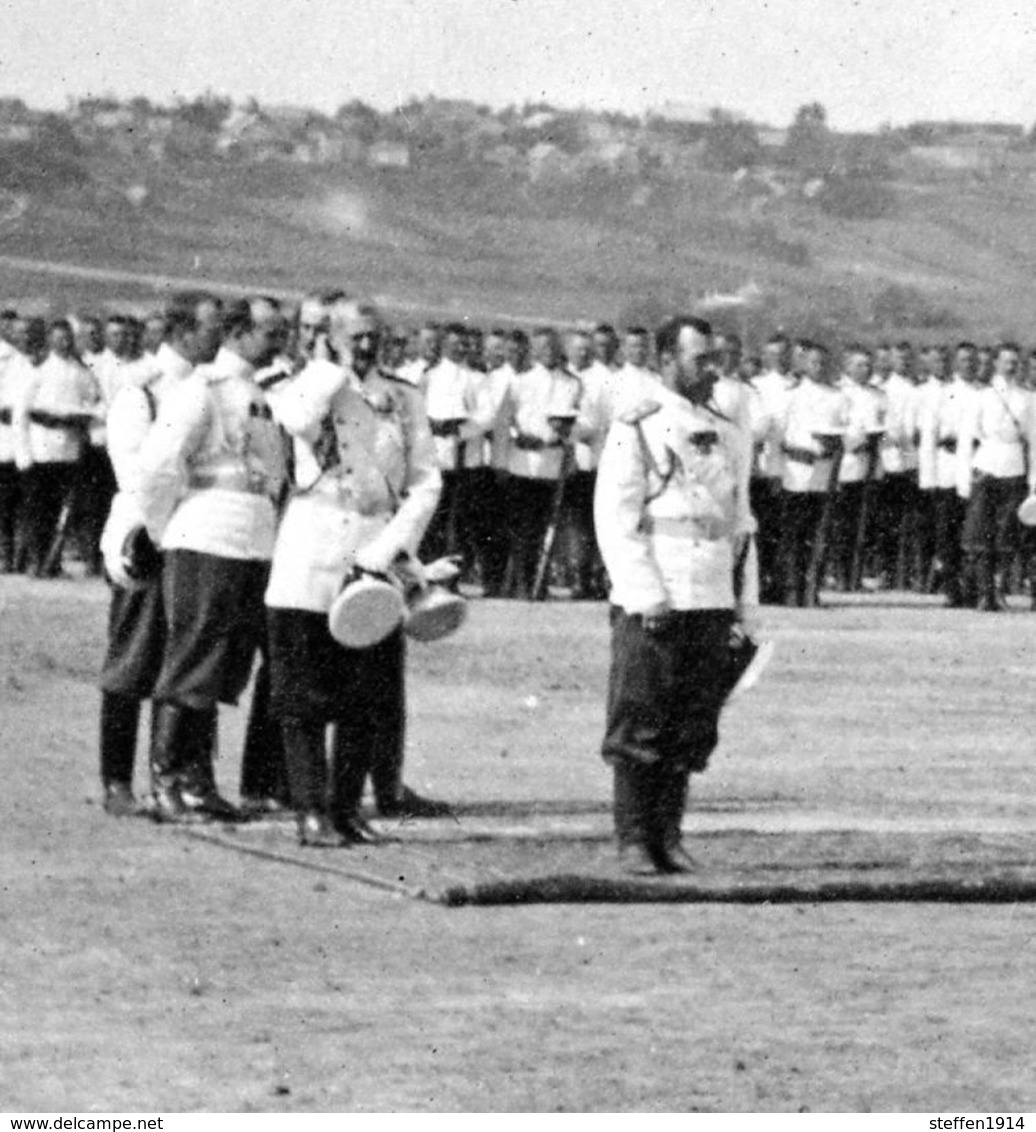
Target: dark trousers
x,y
264,769
898,509
215,624
316,681
494,538
529,509
948,510
45,487
10,492
991,528
802,515
132,661
583,559
665,693
765,499
844,530
97,490
458,525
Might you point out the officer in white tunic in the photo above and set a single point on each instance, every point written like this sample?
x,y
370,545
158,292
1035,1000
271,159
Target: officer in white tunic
x,y
366,487
210,472
136,618
674,527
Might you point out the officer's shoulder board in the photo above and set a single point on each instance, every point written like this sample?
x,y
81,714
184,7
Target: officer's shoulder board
x,y
639,412
395,378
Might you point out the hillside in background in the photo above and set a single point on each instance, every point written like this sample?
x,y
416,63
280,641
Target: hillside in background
x,y
946,255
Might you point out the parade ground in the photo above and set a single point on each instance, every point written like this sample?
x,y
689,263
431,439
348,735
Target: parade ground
x,y
859,936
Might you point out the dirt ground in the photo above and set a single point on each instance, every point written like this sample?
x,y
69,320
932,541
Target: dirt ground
x,y
141,970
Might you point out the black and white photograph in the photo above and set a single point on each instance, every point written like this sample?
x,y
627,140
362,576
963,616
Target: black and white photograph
x,y
517,560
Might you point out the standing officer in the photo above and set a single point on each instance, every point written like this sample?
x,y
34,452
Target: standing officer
x,y
136,618
674,526
210,472
366,488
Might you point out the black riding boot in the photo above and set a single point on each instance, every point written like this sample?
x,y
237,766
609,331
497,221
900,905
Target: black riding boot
x,y
198,781
988,597
634,787
306,759
350,764
171,756
264,771
120,717
673,801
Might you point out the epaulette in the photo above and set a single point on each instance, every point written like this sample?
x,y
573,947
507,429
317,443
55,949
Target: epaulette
x,y
640,411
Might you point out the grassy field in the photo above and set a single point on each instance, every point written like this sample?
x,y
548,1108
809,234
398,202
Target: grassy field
x,y
432,243
143,970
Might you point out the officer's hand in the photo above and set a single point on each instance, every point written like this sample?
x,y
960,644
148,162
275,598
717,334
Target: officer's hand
x,y
323,351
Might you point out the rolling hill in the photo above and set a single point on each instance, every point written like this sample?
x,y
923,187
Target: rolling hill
x,y
950,257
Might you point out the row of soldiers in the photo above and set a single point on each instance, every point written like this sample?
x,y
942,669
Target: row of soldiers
x,y
862,471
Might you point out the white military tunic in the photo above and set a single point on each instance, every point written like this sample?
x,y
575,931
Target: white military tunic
x,y
671,506
813,409
868,407
213,465
997,435
368,490
942,411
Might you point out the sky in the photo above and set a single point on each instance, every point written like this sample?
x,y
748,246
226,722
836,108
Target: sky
x,y
869,62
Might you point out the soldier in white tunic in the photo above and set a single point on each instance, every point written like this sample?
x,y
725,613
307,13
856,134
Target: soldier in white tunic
x,y
674,527
541,409
768,407
860,472
366,487
51,420
995,469
814,431
943,406
16,374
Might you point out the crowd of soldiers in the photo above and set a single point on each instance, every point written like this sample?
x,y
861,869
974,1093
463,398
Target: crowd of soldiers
x,y
233,469
863,468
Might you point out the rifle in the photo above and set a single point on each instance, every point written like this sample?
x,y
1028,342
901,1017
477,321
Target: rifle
x,y
816,560
453,514
52,562
539,585
870,485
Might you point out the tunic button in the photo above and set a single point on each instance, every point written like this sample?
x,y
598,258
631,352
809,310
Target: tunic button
x,y
348,471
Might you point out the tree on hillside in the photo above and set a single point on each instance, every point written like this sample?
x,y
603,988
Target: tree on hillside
x,y
810,147
51,160
361,120
206,113
731,143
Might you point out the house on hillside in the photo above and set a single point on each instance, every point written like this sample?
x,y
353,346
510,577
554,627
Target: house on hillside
x,y
506,158
546,162
389,155
770,139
